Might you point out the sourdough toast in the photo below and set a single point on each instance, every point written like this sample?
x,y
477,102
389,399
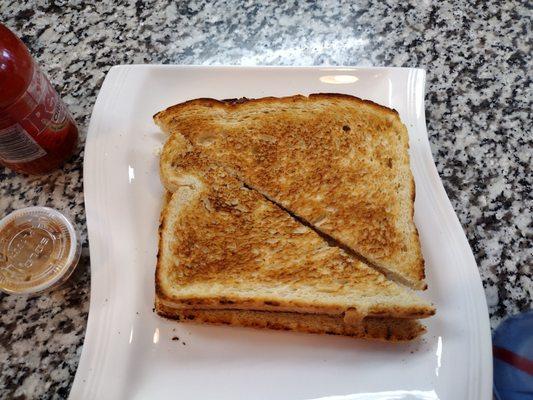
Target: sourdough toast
x,y
225,246
338,162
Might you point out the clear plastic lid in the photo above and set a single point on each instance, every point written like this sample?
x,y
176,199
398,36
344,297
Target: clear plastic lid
x,y
39,249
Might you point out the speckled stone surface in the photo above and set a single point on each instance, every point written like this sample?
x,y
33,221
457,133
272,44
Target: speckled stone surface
x,y
478,59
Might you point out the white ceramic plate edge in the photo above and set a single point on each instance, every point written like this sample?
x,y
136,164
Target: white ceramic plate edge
x,y
86,381
481,367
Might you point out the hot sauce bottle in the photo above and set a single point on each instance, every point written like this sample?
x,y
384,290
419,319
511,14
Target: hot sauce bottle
x,y
37,133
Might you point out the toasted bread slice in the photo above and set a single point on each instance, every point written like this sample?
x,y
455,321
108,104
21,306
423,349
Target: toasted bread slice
x,y
223,245
338,162
388,329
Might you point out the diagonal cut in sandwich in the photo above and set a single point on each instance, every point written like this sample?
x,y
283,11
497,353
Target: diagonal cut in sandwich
x,y
337,162
229,255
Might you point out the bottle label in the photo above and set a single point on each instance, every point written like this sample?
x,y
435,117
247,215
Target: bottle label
x,y
39,111
48,111
17,146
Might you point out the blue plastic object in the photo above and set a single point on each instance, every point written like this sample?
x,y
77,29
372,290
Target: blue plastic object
x,y
513,358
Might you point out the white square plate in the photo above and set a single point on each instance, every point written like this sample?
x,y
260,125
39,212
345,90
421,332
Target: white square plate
x,y
129,352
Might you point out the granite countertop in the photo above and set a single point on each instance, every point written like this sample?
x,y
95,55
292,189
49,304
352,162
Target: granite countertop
x,y
478,97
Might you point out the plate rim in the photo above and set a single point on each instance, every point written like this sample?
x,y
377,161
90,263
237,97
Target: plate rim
x,y
109,93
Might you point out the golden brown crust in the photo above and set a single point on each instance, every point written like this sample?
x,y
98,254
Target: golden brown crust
x,y
387,329
274,304
210,102
336,161
421,268
159,291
